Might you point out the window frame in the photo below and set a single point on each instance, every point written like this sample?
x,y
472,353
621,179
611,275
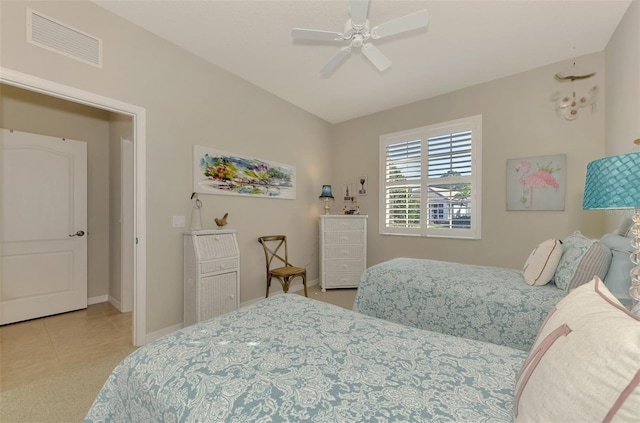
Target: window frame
x,y
473,124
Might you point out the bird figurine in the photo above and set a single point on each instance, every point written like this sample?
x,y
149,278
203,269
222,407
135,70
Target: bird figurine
x,y
221,222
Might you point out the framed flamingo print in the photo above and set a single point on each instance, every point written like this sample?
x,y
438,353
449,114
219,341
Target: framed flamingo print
x,y
536,183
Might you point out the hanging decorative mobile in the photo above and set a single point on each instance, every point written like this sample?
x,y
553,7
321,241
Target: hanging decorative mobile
x,y
568,104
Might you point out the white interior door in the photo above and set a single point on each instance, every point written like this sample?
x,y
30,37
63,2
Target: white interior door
x,y
43,224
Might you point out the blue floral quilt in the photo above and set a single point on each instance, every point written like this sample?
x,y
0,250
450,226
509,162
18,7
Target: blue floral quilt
x,y
489,304
295,359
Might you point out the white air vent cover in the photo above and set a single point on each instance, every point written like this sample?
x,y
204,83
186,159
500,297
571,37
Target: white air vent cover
x,y
53,35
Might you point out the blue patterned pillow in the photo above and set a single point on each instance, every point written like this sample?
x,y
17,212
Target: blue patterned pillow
x,y
582,259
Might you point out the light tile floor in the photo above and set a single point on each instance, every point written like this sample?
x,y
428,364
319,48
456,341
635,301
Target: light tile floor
x,y
38,348
47,346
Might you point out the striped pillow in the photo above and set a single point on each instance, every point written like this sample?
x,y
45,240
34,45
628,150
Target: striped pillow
x,y
582,259
583,366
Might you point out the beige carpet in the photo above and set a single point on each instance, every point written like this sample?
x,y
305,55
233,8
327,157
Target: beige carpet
x,y
62,398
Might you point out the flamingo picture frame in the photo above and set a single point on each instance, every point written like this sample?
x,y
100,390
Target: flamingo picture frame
x,y
536,183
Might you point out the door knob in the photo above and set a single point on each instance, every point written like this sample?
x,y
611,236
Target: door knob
x,y
79,233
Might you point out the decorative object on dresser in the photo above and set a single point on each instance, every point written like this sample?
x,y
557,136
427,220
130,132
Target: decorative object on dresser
x,y
343,250
273,245
196,217
613,183
325,195
221,222
211,274
352,208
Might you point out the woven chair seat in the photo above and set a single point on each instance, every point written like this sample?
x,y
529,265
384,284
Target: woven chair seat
x,y
287,271
274,246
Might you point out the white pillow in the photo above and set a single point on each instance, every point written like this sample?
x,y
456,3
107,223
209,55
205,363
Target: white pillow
x,y
542,262
585,363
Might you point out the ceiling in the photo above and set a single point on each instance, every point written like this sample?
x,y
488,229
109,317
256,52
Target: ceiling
x,y
466,43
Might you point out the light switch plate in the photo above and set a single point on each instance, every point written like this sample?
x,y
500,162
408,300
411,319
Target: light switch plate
x,y
179,221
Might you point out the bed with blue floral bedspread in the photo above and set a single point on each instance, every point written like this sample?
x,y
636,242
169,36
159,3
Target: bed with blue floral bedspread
x,y
485,303
290,358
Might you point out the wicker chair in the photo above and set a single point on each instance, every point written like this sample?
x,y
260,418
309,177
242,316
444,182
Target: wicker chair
x,y
272,246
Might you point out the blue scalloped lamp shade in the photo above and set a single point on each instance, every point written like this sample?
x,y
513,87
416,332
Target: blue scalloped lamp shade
x,y
326,192
613,183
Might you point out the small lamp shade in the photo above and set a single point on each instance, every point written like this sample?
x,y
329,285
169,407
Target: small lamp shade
x,y
326,192
613,183
325,195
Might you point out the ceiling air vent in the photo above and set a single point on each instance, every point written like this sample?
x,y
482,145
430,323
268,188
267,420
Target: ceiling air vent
x,y
53,35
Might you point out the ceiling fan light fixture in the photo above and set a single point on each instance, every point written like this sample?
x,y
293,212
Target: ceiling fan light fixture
x,y
357,33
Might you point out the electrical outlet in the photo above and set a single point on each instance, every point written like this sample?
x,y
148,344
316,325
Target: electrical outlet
x,y
179,221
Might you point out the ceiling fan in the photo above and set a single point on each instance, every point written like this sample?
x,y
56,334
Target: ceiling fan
x,y
357,33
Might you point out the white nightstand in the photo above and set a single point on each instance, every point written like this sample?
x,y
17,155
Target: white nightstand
x,y
211,274
343,250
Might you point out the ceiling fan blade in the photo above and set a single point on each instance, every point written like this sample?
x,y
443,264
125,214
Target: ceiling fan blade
x,y
335,60
314,34
376,57
406,23
359,12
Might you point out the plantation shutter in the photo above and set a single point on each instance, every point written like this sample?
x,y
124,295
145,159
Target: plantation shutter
x,y
403,176
430,180
449,180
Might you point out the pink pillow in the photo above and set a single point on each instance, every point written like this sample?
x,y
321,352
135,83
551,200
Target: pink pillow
x,y
585,363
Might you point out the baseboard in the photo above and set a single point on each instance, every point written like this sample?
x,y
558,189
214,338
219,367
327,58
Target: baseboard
x,y
273,292
162,332
115,303
157,334
98,299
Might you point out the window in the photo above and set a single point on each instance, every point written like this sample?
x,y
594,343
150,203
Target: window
x,y
430,180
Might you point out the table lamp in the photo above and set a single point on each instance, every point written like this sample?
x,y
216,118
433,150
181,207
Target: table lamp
x,y
326,194
614,183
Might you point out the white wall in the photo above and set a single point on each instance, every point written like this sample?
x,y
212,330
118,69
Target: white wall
x,y
188,101
623,91
519,120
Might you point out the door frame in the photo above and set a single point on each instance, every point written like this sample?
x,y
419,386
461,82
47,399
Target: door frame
x,y
138,115
127,250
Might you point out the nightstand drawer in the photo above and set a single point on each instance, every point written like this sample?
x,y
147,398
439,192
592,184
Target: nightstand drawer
x,y
344,224
218,265
344,266
216,246
343,251
342,280
344,238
